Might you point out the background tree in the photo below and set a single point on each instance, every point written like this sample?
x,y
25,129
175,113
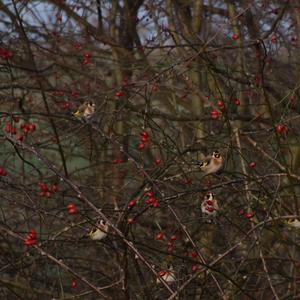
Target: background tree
x,y
172,81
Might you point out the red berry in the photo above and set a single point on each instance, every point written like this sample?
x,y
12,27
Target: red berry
x,y
144,139
274,39
141,146
214,114
31,127
157,162
235,37
241,212
54,188
30,242
194,268
132,203
17,119
173,237
145,134
47,194
7,127
2,172
119,94
151,199
252,164
70,206
281,128
77,45
19,137
43,187
170,248
249,215
220,103
150,194
124,83
13,130
130,221
72,210
25,130
31,234
73,284
237,101
85,61
159,236
155,204
194,254
87,55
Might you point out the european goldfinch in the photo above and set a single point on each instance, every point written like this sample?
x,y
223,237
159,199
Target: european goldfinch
x,y
209,206
212,163
168,276
85,110
100,232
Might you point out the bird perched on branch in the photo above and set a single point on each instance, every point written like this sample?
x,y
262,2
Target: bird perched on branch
x,y
99,232
212,163
85,110
209,206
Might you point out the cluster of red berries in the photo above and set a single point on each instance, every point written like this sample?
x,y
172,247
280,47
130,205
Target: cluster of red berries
x,y
6,54
3,172
144,139
45,191
170,247
170,243
65,105
25,127
248,215
31,238
72,209
86,58
151,199
28,127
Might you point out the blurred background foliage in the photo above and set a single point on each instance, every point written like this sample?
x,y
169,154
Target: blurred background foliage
x,y
172,81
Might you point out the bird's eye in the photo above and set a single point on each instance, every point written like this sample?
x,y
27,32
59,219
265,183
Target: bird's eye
x,y
207,196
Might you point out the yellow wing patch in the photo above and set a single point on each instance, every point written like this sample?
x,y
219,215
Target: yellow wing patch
x,y
77,114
